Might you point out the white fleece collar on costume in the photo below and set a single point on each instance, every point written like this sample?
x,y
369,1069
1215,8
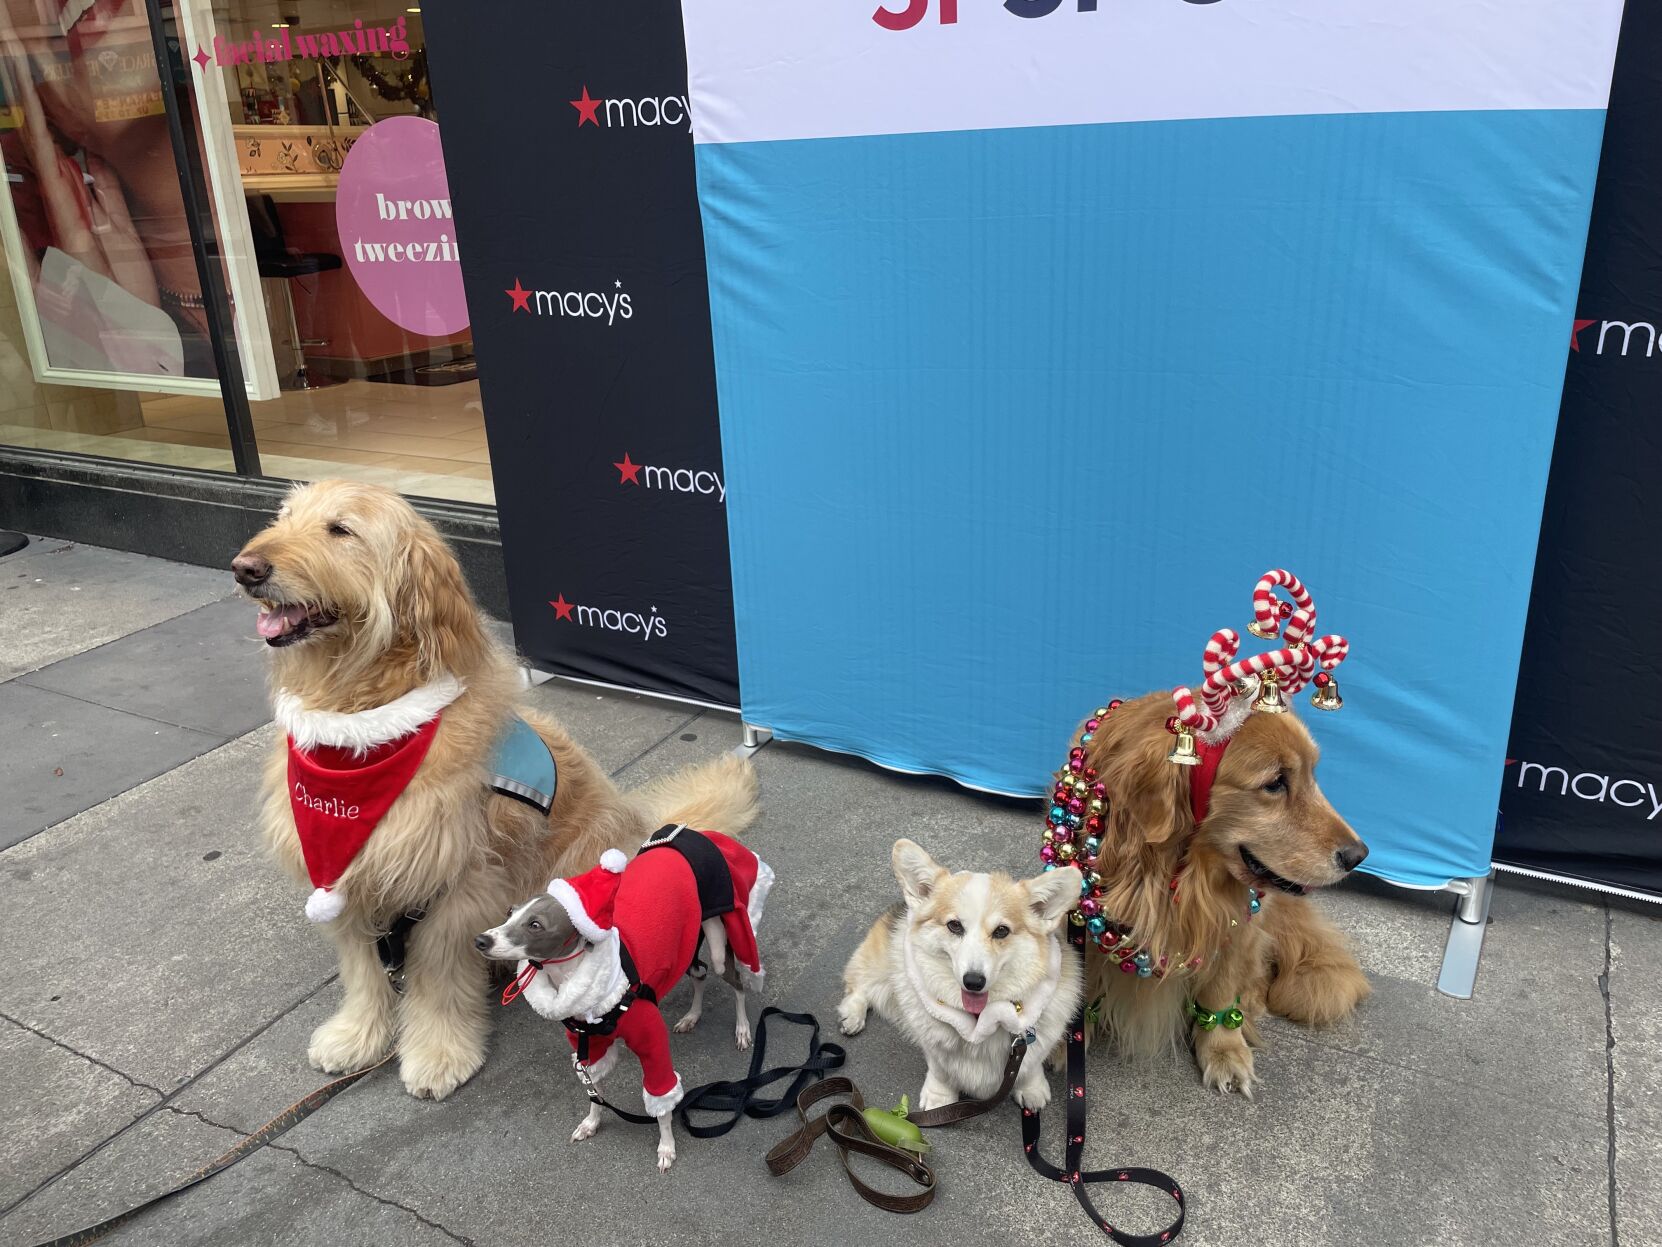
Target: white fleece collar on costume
x,y
364,729
999,1014
591,987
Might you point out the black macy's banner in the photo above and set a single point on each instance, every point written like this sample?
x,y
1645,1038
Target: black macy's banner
x,y
570,160
1583,790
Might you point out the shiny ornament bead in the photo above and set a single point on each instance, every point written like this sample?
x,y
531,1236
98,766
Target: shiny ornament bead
x,y
1143,959
1076,764
1233,1019
1090,772
1254,905
1094,879
1115,704
1093,824
1090,909
1076,806
1127,967
1100,711
1093,845
1099,790
1076,752
1322,679
1172,725
1050,865
1048,853
1144,972
1057,813
1091,725
1076,918
1088,737
1095,805
1064,853
1096,924
1207,1023
1285,610
1080,788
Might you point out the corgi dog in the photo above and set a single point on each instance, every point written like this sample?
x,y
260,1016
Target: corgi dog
x,y
965,963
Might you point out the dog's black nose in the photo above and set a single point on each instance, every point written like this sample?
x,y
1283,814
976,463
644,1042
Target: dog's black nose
x,y
974,982
250,570
483,943
1352,857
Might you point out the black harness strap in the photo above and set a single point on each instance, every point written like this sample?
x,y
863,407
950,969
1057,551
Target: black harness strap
x,y
390,945
709,868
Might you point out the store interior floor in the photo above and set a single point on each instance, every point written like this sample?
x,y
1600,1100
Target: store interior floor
x,y
426,441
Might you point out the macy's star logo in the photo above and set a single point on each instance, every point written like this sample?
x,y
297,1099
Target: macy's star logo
x,y
628,473
521,297
587,108
562,608
1575,334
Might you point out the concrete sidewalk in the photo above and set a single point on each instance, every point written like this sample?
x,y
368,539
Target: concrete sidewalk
x,y
159,982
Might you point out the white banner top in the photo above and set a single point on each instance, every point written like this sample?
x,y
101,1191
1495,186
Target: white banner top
x,y
799,69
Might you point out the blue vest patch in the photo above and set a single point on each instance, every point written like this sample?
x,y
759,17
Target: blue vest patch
x,y
523,767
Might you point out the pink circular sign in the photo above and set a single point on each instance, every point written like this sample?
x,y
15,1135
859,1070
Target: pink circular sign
x,y
397,232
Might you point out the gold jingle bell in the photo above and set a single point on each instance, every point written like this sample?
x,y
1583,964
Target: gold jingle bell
x,y
1183,752
1262,633
1270,699
1326,696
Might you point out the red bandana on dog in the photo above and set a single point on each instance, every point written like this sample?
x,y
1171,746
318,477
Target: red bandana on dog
x,y
345,772
338,799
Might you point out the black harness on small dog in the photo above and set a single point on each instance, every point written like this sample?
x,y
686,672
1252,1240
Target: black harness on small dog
x,y
390,945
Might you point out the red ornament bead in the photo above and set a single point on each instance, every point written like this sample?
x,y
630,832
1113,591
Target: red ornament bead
x,y
1091,725
1099,789
1322,679
1076,752
1172,725
1090,772
1093,824
1286,609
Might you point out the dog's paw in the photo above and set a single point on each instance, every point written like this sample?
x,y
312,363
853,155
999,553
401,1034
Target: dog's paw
x,y
935,1094
1228,1067
666,1156
1033,1095
687,1022
741,1034
585,1130
431,1073
346,1043
851,1015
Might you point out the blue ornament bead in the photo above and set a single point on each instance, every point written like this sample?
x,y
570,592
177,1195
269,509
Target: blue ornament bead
x,y
1255,906
1143,959
1074,821
1096,925
1084,887
1050,865
1092,846
1057,814
1144,972
1087,738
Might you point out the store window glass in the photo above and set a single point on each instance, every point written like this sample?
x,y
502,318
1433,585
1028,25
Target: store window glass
x,y
104,346
335,128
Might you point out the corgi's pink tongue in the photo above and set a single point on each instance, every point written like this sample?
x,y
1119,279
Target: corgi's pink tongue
x,y
277,622
974,1002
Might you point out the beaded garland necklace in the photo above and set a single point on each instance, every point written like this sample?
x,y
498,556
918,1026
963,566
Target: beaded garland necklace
x,y
1073,835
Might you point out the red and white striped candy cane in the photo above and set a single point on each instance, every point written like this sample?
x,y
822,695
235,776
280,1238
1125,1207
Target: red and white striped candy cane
x,y
1220,652
1330,651
1266,609
1300,626
1191,715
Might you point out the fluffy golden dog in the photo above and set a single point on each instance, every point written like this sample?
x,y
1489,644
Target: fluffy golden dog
x,y
1268,827
362,603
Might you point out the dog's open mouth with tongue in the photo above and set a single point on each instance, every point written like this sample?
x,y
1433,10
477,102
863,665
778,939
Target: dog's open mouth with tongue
x,y
973,1002
282,624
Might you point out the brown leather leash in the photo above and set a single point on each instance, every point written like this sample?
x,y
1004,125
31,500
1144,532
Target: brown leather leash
x,y
292,1116
848,1130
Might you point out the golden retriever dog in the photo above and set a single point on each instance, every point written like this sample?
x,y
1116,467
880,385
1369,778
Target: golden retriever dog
x,y
362,603
1182,890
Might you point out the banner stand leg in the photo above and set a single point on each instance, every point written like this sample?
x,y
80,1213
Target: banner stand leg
x,y
1465,936
754,738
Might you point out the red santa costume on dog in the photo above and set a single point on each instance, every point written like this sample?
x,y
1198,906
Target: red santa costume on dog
x,y
648,914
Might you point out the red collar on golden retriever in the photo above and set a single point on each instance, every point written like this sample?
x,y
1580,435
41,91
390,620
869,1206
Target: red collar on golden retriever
x,y
1268,827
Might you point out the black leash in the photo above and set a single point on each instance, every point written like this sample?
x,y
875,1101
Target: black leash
x,y
390,945
1073,1151
737,1097
292,1116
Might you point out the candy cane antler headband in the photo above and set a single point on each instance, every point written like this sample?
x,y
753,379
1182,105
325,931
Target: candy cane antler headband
x,y
1222,703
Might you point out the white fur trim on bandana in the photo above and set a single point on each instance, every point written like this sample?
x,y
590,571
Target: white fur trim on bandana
x,y
325,904
759,891
569,901
362,731
612,861
658,1105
